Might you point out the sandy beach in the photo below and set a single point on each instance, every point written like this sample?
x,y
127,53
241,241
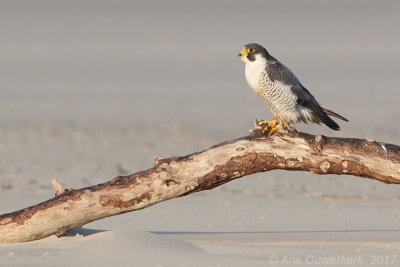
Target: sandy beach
x,y
94,89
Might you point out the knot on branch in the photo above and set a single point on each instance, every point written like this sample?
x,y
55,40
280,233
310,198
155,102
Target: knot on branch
x,y
325,165
319,141
157,160
162,163
119,179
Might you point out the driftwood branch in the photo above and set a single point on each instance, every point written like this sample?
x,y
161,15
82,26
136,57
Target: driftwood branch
x,y
180,176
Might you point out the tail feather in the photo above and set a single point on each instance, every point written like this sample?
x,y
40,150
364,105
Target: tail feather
x,y
331,113
329,122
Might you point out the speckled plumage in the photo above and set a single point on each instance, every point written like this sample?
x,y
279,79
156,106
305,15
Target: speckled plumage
x,y
280,89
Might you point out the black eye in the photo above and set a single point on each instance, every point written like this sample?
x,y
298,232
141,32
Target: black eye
x,y
250,50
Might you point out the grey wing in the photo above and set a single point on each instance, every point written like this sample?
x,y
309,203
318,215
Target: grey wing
x,y
304,97
279,72
312,110
306,104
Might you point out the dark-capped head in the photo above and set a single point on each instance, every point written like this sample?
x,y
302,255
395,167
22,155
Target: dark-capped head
x,y
249,52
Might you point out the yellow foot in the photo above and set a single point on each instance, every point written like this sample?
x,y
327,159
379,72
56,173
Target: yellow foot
x,y
269,130
271,126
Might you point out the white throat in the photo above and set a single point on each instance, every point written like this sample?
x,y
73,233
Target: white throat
x,y
254,69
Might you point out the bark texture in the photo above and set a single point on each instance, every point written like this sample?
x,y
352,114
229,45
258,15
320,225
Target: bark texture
x,y
180,176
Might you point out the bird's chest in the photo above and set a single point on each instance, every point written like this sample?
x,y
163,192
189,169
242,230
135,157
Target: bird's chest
x,y
253,73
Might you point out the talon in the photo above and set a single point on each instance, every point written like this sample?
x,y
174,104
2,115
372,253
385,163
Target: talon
x,y
271,126
266,129
272,130
269,130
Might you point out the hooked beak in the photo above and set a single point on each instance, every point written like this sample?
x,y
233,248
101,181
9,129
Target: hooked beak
x,y
242,52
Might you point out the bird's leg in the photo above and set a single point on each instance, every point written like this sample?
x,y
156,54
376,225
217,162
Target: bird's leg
x,y
271,126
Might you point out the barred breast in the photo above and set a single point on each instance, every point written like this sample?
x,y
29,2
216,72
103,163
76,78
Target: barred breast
x,y
279,98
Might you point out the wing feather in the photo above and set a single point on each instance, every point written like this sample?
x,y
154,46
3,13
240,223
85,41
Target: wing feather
x,y
278,72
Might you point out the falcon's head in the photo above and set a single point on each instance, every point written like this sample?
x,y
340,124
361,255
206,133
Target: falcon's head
x,y
251,52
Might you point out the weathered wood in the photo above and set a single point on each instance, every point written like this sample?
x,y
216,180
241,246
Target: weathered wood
x,y
180,176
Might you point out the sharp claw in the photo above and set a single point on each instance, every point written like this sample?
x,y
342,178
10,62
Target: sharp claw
x,y
272,130
266,129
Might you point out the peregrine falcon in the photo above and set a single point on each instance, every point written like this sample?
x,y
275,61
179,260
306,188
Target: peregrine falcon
x,y
280,89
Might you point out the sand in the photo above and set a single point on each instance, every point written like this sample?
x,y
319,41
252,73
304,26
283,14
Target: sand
x,y
94,89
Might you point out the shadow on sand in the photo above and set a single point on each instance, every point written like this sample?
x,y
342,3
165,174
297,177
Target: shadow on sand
x,y
83,232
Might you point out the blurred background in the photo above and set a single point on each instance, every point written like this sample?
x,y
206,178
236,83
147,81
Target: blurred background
x,y
94,89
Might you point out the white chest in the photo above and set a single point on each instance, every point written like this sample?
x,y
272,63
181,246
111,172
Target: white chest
x,y
253,72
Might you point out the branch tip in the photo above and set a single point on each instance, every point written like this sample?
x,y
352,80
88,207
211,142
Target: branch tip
x,y
59,188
